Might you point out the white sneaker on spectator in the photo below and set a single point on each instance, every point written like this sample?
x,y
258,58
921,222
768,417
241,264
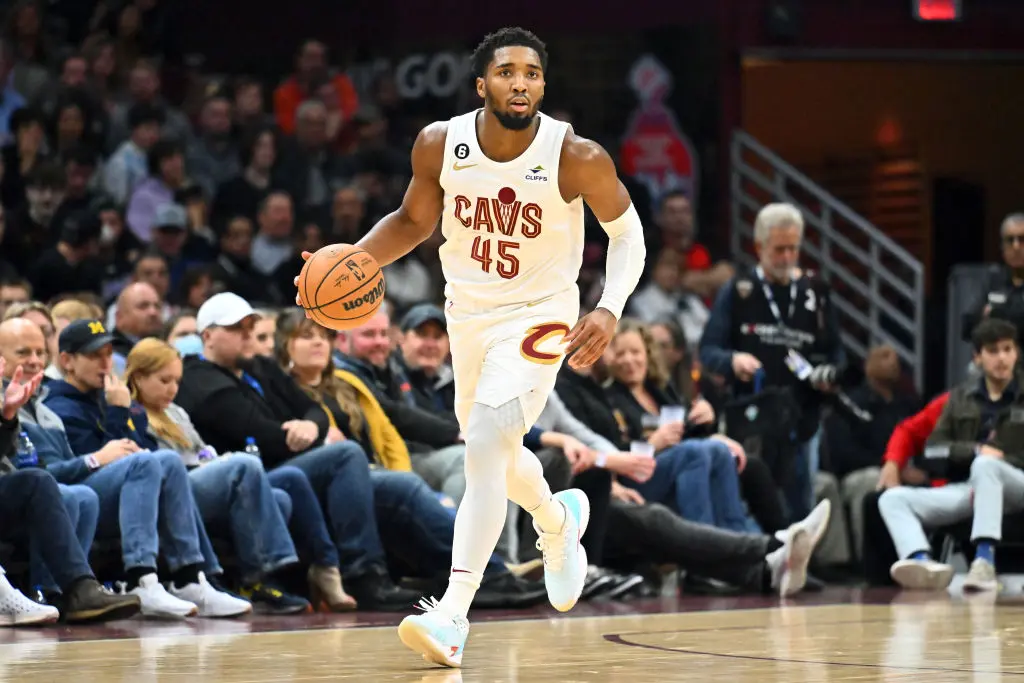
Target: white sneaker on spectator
x,y
982,577
211,602
921,575
157,602
816,523
18,610
788,564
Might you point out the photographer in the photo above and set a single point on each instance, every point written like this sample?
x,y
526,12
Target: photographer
x,y
762,315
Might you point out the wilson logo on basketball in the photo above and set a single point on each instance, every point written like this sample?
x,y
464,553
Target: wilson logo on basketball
x,y
369,298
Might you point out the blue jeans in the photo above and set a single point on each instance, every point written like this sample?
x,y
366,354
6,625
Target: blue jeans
x,y
415,527
146,499
284,503
305,518
799,491
83,508
697,478
235,498
31,506
340,475
355,497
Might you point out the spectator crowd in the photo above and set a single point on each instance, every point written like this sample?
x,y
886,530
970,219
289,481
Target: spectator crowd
x,y
177,439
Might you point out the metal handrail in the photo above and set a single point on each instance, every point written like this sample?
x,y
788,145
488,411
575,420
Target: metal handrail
x,y
879,314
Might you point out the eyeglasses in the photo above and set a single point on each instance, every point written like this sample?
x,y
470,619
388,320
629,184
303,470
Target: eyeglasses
x,y
1013,240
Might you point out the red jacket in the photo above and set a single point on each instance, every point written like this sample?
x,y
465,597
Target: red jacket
x,y
909,437
289,95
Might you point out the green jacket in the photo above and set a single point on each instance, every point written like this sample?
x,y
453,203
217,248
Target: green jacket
x,y
956,435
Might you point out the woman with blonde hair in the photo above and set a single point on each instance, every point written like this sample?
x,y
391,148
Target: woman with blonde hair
x,y
697,477
234,493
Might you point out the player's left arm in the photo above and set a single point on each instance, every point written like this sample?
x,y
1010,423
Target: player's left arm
x,y
587,170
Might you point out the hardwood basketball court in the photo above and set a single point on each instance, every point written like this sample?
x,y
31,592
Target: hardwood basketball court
x,y
839,635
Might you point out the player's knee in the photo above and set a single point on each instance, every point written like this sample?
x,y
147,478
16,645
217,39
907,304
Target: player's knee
x,y
504,424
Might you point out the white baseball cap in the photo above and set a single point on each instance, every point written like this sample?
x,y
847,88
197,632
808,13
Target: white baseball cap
x,y
223,310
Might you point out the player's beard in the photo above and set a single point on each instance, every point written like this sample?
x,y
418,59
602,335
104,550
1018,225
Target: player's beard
x,y
512,121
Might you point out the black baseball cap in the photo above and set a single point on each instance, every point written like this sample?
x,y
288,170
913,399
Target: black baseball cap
x,y
423,313
80,228
84,336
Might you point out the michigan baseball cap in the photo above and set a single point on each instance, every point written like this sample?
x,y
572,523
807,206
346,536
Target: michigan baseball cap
x,y
83,336
423,313
223,310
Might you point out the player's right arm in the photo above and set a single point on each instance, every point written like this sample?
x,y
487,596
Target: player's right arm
x,y
402,230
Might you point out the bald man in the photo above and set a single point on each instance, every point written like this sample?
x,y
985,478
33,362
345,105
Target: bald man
x,y
139,315
22,345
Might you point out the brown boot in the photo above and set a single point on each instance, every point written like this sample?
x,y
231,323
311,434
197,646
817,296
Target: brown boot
x,y
87,601
325,587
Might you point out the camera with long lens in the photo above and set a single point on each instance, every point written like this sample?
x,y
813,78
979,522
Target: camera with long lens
x,y
815,375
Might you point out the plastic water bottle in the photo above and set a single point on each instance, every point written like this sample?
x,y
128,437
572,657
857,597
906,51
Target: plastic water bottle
x,y
250,446
27,456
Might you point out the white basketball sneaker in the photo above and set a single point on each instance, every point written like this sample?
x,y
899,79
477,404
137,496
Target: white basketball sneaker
x,y
17,610
565,560
438,636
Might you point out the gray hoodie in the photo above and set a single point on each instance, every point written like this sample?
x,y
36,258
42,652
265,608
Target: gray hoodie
x,y
190,454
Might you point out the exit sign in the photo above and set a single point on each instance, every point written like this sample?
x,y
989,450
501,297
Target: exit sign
x,y
937,10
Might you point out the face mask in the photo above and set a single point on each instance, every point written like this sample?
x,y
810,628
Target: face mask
x,y
189,345
108,234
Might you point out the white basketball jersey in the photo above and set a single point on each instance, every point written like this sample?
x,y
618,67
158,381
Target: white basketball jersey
x,y
510,238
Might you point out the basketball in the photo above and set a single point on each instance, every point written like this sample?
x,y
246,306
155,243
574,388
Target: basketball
x,y
341,286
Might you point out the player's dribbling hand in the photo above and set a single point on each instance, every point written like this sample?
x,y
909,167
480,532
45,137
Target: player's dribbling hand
x,y
589,338
295,281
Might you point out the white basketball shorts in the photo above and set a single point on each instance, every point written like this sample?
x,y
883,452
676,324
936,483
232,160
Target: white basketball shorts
x,y
499,356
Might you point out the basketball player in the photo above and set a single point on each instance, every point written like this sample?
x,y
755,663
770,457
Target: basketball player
x,y
509,184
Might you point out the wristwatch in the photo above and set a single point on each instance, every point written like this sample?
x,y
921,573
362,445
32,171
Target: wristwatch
x,y
92,463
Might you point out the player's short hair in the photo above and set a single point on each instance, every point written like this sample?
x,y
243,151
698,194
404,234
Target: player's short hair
x,y
506,37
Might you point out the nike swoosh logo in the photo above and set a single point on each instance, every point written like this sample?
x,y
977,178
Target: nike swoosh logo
x,y
539,301
457,167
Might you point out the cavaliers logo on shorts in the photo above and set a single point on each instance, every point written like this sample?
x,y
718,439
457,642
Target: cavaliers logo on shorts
x,y
539,345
